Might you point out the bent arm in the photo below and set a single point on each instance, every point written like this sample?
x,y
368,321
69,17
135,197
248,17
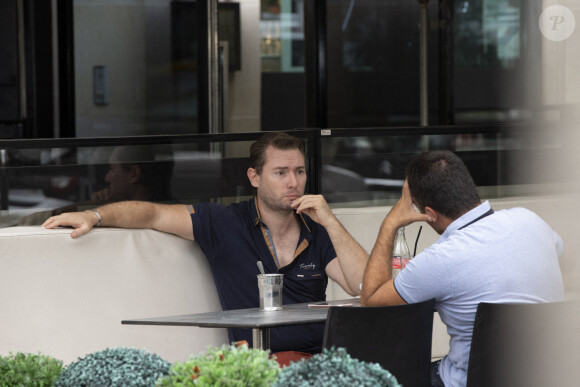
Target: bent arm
x,y
378,284
172,218
352,258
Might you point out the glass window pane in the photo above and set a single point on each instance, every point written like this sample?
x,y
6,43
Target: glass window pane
x,y
282,62
40,180
9,74
487,33
495,55
136,67
373,62
369,169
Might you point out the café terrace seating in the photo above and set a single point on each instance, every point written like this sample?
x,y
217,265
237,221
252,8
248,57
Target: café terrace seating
x,y
67,297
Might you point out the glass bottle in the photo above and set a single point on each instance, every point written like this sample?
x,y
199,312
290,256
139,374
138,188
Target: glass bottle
x,y
401,253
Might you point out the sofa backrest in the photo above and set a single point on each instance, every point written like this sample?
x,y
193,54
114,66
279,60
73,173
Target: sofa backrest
x,y
66,297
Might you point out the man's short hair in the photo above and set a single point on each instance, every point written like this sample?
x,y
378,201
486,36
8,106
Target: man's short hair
x,y
156,174
440,180
278,140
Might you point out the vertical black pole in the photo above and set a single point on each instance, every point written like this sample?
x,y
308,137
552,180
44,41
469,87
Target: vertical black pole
x,y
446,62
315,61
66,69
3,179
202,23
423,61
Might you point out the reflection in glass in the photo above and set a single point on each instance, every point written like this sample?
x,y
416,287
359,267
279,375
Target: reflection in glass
x,y
487,33
39,183
373,62
496,61
151,53
283,91
282,35
361,167
370,169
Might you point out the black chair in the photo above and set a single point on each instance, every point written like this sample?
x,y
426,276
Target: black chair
x,y
396,337
531,345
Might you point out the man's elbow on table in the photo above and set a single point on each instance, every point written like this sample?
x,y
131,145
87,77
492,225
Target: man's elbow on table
x,y
384,295
354,293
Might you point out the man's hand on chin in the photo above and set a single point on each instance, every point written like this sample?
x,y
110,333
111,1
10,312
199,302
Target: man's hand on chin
x,y
314,206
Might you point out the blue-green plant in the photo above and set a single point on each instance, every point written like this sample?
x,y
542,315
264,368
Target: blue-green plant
x,y
334,368
230,366
29,370
115,367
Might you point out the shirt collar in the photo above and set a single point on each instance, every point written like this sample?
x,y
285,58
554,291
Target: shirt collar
x,y
466,218
255,211
305,221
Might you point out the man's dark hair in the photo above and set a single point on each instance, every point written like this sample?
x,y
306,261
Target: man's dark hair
x,y
156,174
440,180
278,140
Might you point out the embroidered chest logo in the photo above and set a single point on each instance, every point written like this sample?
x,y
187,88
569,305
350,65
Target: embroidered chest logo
x,y
310,266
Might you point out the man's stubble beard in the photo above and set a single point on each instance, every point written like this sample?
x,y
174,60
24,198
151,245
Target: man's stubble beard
x,y
276,205
281,205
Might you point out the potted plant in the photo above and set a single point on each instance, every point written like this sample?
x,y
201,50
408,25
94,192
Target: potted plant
x,y
334,368
234,365
114,367
31,370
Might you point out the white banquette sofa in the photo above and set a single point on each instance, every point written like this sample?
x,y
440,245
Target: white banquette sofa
x,y
66,297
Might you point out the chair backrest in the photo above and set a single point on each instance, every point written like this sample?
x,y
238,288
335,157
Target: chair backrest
x,y
396,337
525,345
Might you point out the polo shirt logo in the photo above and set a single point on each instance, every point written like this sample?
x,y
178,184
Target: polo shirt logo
x,y
310,266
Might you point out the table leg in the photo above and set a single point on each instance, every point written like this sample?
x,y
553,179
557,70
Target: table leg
x,y
261,338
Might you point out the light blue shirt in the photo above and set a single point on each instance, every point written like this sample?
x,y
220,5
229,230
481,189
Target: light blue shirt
x,y
511,256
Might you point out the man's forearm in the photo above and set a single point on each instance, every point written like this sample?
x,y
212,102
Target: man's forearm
x,y
351,256
379,269
378,284
127,214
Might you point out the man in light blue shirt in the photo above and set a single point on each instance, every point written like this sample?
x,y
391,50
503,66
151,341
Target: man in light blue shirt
x,y
482,256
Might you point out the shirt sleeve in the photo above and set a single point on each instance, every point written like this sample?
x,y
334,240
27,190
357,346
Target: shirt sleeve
x,y
207,221
426,276
559,245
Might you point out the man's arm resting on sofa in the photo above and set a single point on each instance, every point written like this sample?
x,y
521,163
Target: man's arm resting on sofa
x,y
169,218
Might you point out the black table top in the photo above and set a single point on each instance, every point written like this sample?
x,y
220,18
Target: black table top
x,y
295,314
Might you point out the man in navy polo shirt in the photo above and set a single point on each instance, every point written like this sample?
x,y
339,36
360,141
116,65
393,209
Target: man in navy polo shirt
x,y
291,233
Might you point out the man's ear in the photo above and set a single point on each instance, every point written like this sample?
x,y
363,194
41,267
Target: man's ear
x,y
136,174
434,215
253,177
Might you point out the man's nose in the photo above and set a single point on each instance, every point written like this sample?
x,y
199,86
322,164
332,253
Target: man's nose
x,y
292,180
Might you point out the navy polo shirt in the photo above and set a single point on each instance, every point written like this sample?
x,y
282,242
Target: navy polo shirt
x,y
234,239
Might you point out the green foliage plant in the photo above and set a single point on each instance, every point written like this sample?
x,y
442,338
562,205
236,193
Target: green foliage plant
x,y
227,366
334,368
29,370
115,367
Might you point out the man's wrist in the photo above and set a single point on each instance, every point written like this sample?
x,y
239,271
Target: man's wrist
x,y
389,226
99,218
